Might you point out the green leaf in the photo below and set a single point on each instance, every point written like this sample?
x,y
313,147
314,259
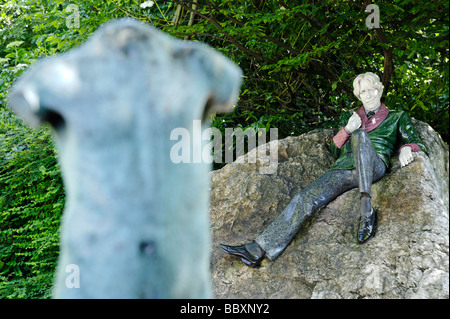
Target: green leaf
x,y
14,44
53,39
333,86
398,8
422,105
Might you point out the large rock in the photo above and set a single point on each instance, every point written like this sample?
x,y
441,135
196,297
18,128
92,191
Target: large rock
x,y
407,258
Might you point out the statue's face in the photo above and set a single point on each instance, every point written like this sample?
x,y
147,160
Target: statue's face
x,y
369,95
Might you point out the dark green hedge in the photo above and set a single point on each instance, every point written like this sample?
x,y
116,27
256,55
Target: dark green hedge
x,y
31,203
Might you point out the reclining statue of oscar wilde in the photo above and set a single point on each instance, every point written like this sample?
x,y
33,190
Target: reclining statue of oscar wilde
x,y
135,224
363,148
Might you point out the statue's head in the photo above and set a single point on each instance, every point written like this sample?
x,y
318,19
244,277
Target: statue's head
x,y
368,88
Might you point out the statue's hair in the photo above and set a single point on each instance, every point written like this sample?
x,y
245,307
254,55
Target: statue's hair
x,y
372,78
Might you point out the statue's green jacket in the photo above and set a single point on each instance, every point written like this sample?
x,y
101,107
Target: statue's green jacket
x,y
388,130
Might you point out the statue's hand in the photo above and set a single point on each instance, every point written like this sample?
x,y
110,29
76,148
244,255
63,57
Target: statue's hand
x,y
406,156
354,122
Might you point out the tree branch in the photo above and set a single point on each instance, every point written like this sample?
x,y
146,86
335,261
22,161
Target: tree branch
x,y
388,67
227,35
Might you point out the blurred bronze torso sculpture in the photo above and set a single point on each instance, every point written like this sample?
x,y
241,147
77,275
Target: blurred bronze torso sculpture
x,y
135,225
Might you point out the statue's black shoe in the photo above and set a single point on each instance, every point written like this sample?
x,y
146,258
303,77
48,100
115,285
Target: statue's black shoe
x,y
366,227
251,254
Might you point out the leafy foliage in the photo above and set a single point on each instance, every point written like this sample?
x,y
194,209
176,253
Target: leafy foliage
x,y
31,202
299,59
